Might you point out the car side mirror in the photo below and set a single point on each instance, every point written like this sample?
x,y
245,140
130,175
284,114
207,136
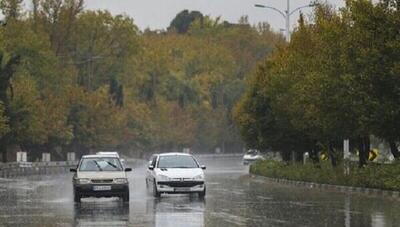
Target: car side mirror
x,y
72,170
203,167
128,169
151,167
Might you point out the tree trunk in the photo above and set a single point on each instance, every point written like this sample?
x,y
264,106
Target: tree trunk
x,y
3,151
314,154
394,150
332,156
364,145
286,156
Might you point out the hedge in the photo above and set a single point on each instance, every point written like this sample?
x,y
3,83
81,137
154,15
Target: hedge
x,y
380,176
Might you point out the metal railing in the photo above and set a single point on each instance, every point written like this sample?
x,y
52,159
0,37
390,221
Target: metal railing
x,y
17,169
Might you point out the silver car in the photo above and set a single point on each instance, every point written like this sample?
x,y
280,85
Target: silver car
x,y
100,176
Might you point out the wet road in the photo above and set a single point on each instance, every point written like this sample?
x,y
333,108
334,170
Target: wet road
x,y
233,199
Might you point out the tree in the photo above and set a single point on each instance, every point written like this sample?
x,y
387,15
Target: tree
x,y
11,9
58,19
104,44
377,63
183,20
82,80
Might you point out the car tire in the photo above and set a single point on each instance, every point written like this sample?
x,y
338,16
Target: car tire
x,y
155,191
77,197
125,197
203,193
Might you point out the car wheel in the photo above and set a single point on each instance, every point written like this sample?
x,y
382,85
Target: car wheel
x,y
77,197
155,191
203,193
125,197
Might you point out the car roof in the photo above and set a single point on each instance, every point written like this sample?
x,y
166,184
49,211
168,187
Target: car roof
x,y
108,152
100,156
174,153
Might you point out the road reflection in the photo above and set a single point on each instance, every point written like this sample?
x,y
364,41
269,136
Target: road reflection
x,y
168,211
102,213
172,211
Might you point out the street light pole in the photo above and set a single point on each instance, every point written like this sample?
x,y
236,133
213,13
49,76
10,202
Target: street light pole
x,y
287,21
286,14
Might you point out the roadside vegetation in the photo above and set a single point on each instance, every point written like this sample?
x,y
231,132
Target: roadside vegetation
x,y
339,78
386,177
73,79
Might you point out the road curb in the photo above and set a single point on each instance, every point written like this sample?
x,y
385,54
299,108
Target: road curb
x,y
340,188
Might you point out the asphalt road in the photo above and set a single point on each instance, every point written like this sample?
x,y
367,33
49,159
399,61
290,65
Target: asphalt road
x,y
233,199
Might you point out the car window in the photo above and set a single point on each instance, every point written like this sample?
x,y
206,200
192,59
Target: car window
x,y
100,164
177,161
153,162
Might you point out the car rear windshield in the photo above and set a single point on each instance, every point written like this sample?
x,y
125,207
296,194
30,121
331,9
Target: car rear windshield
x,y
100,164
177,161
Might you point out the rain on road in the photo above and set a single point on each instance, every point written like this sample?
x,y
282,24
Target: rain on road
x,y
233,199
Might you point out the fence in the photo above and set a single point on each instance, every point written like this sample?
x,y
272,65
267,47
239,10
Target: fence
x,y
16,169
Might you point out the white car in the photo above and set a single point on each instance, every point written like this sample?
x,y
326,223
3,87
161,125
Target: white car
x,y
100,176
252,156
175,173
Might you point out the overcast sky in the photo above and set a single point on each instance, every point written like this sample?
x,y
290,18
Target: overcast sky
x,y
157,14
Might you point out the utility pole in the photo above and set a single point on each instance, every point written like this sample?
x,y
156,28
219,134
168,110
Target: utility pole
x,y
286,14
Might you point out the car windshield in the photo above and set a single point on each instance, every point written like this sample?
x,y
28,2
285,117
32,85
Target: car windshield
x,y
177,161
252,152
100,164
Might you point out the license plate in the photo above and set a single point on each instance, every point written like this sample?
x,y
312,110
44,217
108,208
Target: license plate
x,y
101,188
182,189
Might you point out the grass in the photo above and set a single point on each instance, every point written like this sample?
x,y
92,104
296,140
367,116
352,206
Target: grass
x,y
386,177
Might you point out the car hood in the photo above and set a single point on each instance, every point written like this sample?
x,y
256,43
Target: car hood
x,y
180,172
102,175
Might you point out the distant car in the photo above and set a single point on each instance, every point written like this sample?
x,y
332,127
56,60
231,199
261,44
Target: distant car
x,y
113,153
175,173
251,156
100,175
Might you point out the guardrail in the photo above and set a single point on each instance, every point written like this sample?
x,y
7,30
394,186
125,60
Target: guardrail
x,y
16,169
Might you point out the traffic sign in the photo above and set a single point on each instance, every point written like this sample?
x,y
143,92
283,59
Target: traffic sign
x,y
324,156
372,155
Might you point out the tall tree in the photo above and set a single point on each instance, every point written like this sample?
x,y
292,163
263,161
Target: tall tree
x,y
182,21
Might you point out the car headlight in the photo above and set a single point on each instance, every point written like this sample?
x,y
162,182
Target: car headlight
x,y
83,181
163,178
199,177
120,181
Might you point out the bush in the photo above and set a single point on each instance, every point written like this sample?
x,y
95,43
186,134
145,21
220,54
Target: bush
x,y
379,176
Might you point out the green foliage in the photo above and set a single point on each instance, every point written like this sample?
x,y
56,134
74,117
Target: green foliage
x,y
85,80
335,80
